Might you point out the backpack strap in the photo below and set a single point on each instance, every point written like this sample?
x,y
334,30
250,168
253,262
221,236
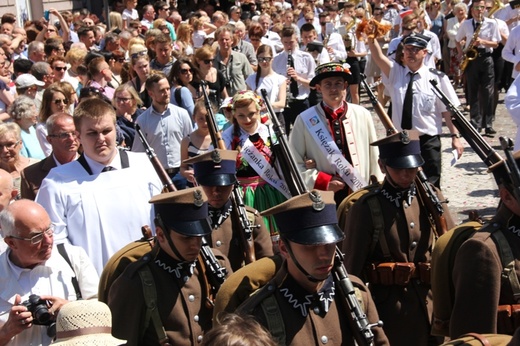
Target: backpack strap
x,y
378,224
274,318
150,300
75,284
508,263
177,95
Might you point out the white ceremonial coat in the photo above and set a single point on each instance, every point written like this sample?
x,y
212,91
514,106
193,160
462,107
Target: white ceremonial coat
x,y
101,213
360,132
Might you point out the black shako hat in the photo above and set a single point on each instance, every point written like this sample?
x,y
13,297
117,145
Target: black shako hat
x,y
308,219
185,211
215,168
401,150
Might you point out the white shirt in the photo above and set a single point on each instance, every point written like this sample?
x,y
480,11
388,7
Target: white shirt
x,y
427,107
508,13
54,278
428,59
511,51
336,43
303,64
164,133
271,83
489,31
512,102
100,212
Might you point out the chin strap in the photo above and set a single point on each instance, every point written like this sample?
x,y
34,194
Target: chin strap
x,y
300,268
166,232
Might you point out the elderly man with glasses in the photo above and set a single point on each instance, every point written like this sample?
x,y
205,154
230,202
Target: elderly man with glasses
x,y
32,265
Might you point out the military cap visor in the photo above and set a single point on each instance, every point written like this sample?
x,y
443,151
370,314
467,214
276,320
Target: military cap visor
x,y
410,161
318,235
193,228
416,40
216,180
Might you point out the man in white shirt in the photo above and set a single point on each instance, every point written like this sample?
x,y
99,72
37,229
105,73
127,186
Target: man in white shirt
x,y
148,16
100,201
33,265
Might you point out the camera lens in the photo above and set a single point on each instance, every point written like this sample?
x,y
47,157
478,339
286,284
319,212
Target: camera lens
x,y
41,314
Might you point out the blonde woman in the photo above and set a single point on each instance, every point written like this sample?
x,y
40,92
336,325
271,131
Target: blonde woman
x,y
127,103
185,38
116,20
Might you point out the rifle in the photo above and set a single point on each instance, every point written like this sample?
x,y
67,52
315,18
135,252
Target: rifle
x,y
165,178
511,166
424,188
361,329
239,209
474,139
217,273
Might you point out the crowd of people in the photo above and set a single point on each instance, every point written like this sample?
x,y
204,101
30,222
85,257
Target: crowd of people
x,y
142,166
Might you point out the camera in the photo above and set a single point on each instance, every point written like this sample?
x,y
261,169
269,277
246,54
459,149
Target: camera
x,y
40,313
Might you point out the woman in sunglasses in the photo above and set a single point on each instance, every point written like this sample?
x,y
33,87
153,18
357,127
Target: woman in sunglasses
x,y
116,65
272,82
127,103
182,91
54,100
140,70
203,59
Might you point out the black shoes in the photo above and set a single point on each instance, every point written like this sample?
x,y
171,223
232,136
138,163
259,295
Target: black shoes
x,y
490,131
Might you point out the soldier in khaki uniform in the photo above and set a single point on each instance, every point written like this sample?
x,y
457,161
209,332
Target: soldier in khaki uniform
x,y
388,242
182,280
215,173
484,292
306,304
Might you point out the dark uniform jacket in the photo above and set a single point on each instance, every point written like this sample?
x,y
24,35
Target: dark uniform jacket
x,y
181,300
479,288
409,236
33,175
226,239
313,319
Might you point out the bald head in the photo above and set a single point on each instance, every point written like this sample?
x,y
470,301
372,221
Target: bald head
x,y
7,191
22,215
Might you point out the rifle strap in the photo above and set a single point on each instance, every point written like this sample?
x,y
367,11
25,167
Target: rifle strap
x,y
150,300
378,223
274,318
75,284
508,263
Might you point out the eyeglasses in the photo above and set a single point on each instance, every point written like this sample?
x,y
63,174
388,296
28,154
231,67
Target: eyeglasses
x,y
64,135
37,239
123,99
58,68
9,146
138,54
208,61
488,8
165,9
264,59
436,3
478,8
185,70
60,101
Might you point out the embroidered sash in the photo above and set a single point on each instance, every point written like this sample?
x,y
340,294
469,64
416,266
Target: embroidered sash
x,y
321,135
256,160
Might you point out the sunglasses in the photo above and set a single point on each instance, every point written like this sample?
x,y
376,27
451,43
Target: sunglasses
x,y
208,61
265,59
60,101
138,54
185,70
58,68
120,60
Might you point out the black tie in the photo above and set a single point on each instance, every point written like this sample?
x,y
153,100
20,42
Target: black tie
x,y
294,84
108,169
406,121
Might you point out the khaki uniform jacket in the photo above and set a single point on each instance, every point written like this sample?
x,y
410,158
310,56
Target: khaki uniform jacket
x,y
226,239
317,327
408,233
182,304
479,288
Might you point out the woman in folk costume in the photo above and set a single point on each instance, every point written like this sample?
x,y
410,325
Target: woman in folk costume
x,y
262,182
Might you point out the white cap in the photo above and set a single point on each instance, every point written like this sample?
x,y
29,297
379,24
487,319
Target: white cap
x,y
26,80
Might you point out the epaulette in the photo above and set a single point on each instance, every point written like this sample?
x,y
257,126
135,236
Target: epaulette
x,y
437,72
133,268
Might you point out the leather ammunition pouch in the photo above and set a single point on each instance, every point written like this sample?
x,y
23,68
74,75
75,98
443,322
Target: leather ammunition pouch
x,y
398,273
508,318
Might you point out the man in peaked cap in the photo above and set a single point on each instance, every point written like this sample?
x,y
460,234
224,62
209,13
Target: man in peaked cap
x,y
388,230
180,276
335,136
484,286
305,301
215,173
414,104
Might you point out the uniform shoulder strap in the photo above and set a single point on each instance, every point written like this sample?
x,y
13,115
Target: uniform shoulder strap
x,y
274,318
508,262
75,284
378,223
150,300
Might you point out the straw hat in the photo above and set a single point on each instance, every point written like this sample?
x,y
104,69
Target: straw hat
x,y
85,322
